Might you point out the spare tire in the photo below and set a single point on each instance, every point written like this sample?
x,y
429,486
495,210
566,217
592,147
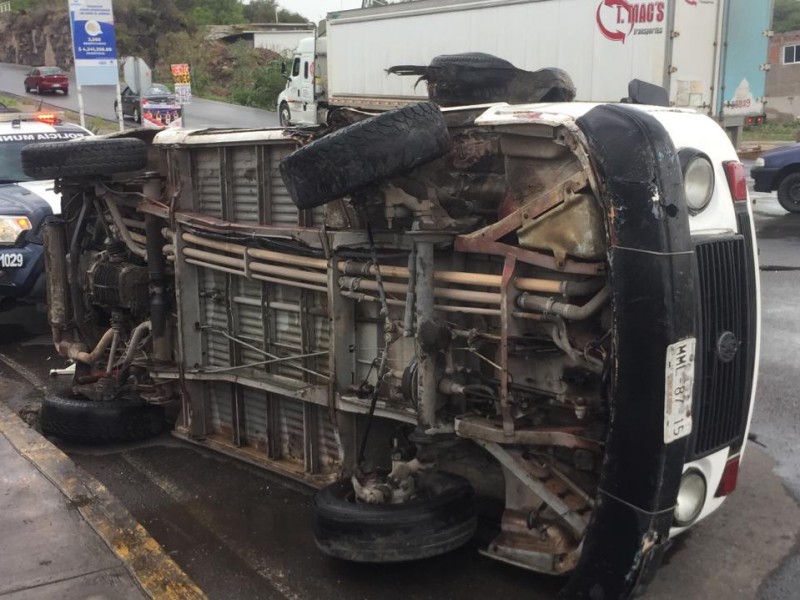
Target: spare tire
x,y
471,60
100,422
365,153
50,160
442,519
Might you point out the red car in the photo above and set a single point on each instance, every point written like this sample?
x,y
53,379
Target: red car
x,y
46,79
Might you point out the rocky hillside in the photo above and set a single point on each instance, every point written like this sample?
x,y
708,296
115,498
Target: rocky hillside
x,y
36,37
162,32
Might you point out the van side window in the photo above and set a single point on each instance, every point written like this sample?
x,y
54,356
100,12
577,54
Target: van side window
x,y
296,67
305,70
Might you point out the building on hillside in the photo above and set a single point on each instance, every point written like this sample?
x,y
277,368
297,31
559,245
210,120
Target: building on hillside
x,y
783,78
278,37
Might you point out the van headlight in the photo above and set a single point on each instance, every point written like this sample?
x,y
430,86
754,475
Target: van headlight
x,y
11,227
698,179
691,498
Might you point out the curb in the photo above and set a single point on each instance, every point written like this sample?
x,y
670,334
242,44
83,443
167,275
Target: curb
x,y
156,573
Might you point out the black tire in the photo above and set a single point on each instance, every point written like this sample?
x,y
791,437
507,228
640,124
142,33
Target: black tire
x,y
379,533
94,422
472,60
49,160
789,193
365,153
137,116
285,115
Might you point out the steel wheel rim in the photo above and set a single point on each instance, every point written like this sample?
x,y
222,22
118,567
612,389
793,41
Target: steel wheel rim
x,y
794,193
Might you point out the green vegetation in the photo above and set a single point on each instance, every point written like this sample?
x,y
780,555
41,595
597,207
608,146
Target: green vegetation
x,y
233,72
786,16
771,132
9,102
164,32
98,125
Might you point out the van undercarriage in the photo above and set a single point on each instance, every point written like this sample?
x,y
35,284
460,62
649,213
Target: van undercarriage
x,y
493,323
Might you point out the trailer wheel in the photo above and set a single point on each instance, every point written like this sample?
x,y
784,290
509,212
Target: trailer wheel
x,y
49,160
789,193
100,422
365,153
442,519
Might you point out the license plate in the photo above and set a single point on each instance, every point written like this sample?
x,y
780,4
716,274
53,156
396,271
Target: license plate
x,y
10,260
56,85
678,393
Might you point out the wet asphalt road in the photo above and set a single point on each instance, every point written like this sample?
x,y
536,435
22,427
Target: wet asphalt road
x,y
241,532
99,101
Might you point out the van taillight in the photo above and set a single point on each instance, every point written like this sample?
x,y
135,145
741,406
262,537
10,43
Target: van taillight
x,y
729,478
737,180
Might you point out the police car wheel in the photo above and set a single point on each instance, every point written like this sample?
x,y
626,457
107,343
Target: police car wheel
x,y
97,422
136,116
51,160
364,154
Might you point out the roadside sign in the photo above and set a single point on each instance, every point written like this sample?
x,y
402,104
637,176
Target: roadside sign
x,y
182,77
162,115
137,74
94,43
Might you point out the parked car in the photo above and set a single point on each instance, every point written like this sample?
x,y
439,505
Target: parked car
x,y
779,169
133,104
25,203
46,79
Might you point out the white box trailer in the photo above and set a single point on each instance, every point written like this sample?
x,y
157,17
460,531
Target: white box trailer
x,y
603,44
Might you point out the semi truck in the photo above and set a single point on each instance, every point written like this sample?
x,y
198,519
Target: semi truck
x,y
709,54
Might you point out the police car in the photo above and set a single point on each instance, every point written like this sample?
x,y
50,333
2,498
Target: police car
x,y
25,203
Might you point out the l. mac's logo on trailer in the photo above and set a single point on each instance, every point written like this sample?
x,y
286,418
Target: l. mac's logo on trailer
x,y
620,19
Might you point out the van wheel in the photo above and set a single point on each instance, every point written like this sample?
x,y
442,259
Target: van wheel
x,y
285,115
100,422
365,153
50,160
442,518
789,193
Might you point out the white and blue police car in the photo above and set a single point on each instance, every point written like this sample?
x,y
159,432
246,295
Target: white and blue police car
x,y
25,203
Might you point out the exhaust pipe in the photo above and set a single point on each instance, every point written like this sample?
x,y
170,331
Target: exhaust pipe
x,y
55,264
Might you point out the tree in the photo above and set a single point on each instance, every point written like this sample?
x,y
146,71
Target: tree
x,y
264,11
786,16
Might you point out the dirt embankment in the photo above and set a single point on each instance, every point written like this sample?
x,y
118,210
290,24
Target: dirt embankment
x,y
37,37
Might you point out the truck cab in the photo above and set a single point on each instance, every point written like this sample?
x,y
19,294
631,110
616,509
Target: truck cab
x,y
300,102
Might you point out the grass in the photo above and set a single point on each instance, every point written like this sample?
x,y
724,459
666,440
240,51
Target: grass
x,y
9,102
771,132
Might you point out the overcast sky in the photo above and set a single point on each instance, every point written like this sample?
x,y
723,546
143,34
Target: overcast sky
x,y
317,9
